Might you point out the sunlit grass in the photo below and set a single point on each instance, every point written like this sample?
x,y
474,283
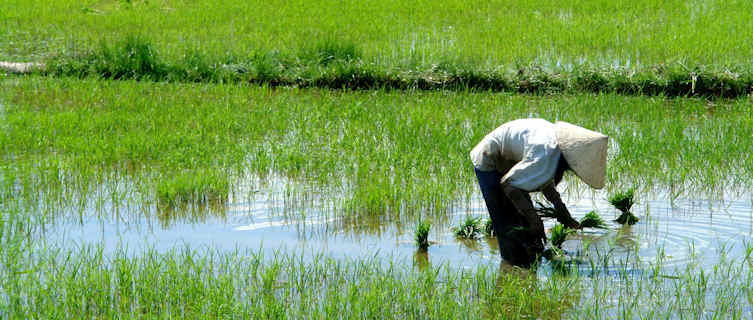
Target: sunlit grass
x,y
550,34
380,153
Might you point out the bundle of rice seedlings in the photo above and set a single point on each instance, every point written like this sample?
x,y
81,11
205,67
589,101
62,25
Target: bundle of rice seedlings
x,y
421,236
627,217
592,220
559,235
489,228
469,229
623,201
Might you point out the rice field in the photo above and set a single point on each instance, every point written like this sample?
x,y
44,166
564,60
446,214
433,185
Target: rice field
x,y
234,159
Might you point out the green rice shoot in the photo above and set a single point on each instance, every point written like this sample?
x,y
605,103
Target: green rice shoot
x,y
422,235
592,220
559,235
470,228
623,201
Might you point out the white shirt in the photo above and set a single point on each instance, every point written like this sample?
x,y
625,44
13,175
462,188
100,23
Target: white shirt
x,y
524,151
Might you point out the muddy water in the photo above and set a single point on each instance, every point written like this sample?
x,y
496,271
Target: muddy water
x,y
674,231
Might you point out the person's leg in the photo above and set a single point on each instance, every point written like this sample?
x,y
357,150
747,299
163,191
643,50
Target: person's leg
x,y
514,246
488,181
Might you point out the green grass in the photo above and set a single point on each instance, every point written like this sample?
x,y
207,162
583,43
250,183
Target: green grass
x,y
397,152
470,228
644,47
333,64
565,33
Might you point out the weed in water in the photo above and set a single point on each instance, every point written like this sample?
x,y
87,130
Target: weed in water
x,y
469,229
422,235
592,220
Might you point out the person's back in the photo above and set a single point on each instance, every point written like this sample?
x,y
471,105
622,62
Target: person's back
x,y
528,155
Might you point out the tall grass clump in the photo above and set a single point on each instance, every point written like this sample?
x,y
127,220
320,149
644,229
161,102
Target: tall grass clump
x,y
421,237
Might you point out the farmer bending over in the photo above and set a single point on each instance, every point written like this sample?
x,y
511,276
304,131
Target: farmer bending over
x,y
528,155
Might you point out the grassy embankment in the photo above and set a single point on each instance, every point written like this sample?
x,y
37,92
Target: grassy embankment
x,y
643,47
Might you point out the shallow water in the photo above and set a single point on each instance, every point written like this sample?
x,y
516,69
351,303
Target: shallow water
x,y
683,230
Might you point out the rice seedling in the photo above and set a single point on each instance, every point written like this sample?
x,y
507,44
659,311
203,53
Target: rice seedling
x,y
470,228
157,134
623,201
559,235
421,237
489,228
592,220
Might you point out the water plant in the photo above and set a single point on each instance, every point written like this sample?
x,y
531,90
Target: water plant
x,y
592,220
623,201
470,228
422,234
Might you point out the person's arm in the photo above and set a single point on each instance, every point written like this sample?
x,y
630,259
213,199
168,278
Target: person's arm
x,y
563,215
525,208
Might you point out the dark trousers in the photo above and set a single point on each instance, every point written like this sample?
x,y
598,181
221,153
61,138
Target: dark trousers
x,y
508,224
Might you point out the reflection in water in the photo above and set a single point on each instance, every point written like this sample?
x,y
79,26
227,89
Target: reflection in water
x,y
421,259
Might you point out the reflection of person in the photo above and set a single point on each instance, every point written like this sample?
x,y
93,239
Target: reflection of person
x,y
530,155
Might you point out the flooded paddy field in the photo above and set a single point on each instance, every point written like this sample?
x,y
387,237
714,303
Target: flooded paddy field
x,y
265,201
675,231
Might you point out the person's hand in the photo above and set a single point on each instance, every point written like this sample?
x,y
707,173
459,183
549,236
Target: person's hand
x,y
569,222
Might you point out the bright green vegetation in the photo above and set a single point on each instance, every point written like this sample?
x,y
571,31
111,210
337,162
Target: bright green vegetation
x,y
641,47
592,220
646,32
173,143
470,228
334,65
559,235
623,201
421,237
